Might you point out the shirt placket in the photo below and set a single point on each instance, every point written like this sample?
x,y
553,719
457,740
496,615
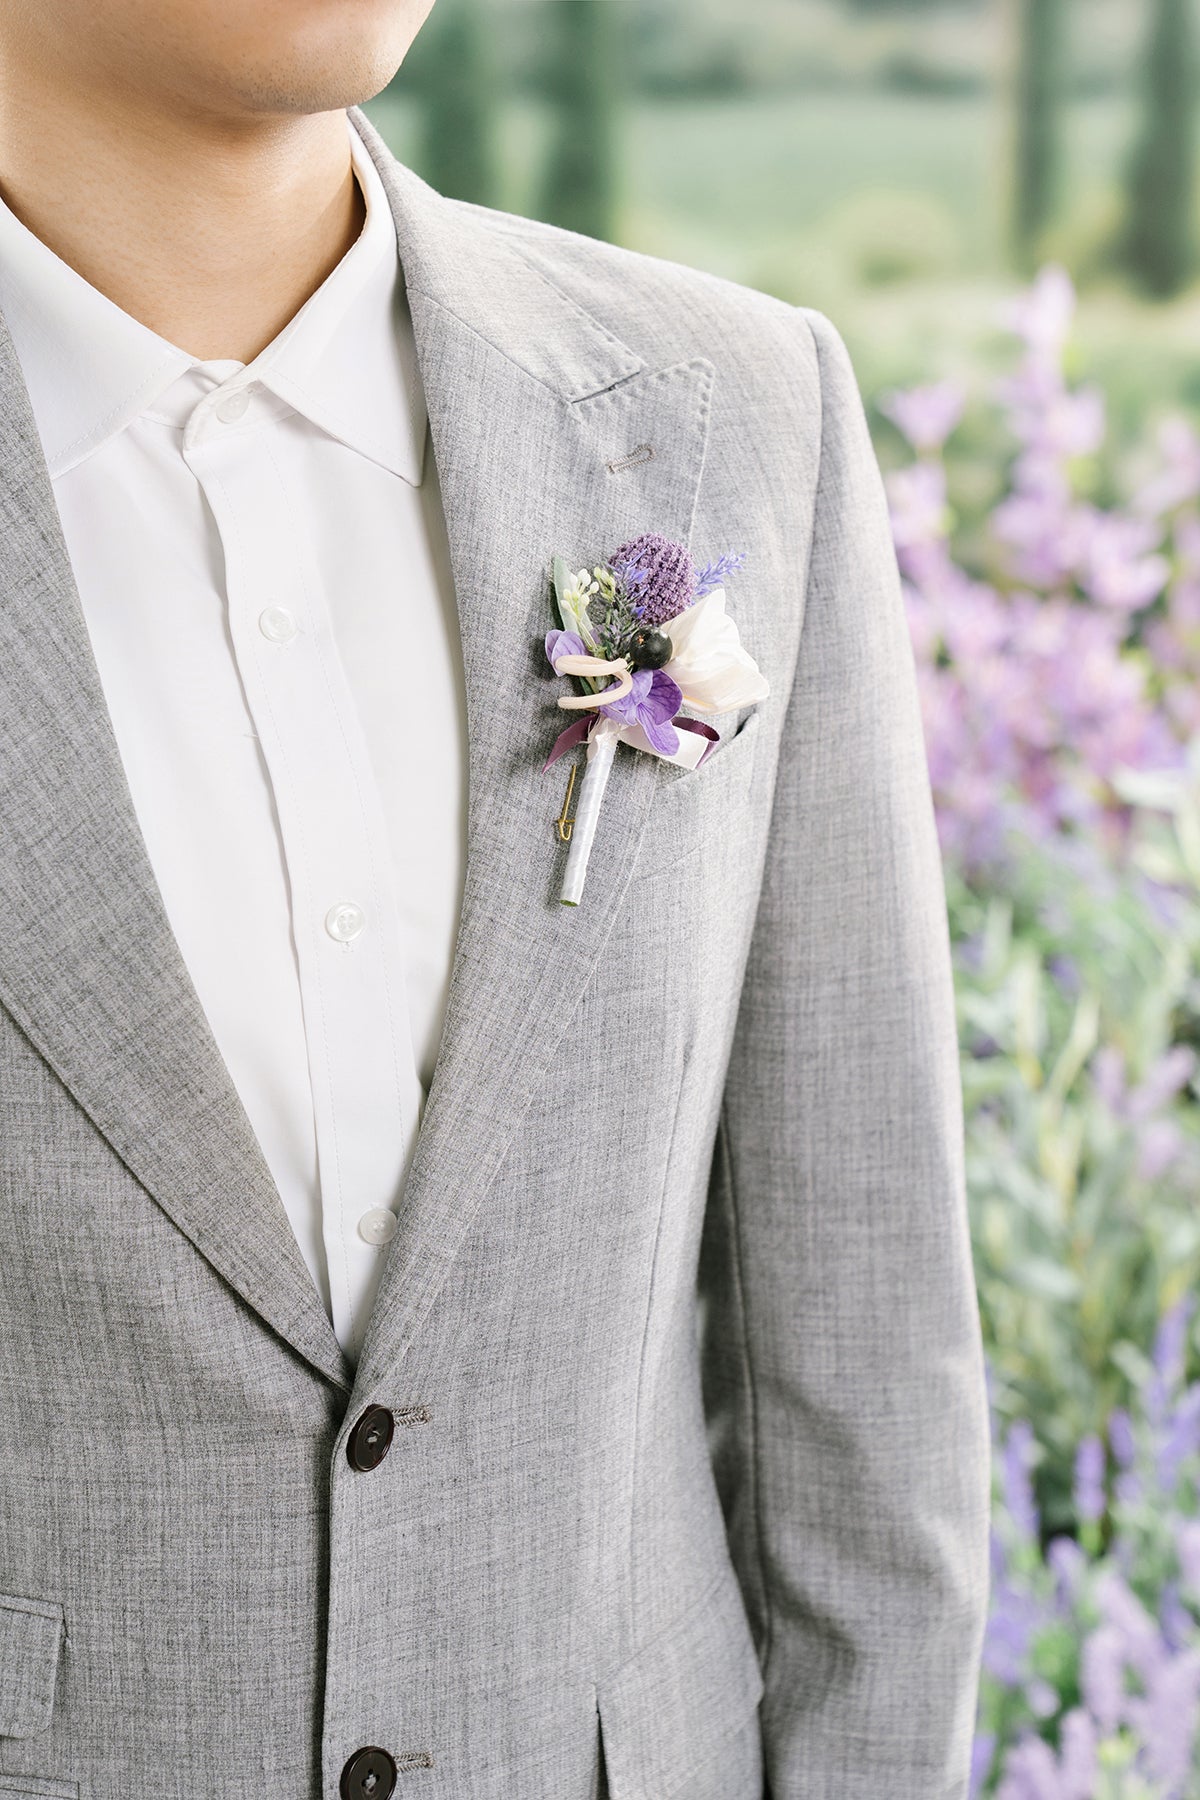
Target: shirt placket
x,y
345,919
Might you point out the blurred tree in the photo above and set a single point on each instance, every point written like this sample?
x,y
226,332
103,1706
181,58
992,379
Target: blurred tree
x,y
1159,238
452,74
580,186
1038,149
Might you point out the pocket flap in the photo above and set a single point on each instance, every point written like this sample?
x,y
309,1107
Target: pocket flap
x,y
31,1634
664,1714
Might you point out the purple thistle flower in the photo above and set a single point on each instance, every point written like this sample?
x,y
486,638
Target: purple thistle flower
x,y
663,573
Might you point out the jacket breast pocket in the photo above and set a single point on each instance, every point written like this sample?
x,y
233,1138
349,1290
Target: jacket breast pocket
x,y
678,1706
31,1634
728,762
702,809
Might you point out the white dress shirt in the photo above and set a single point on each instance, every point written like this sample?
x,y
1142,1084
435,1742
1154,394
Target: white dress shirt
x,y
265,580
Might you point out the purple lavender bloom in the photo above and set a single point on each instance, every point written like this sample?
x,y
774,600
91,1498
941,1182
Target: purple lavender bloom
x,y
1159,1144
652,703
1187,1545
1042,315
1166,1719
1080,1764
1169,1076
1170,1341
1120,1436
1015,1466
715,574
1041,1698
1179,478
1102,1677
1030,1772
1175,1620
1180,1440
1069,1565
925,415
982,1752
663,572
1013,1623
1089,1479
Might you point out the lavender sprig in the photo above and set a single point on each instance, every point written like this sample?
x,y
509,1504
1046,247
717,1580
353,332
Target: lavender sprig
x,y
715,574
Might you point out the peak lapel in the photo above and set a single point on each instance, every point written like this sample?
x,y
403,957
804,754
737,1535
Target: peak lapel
x,y
529,401
89,967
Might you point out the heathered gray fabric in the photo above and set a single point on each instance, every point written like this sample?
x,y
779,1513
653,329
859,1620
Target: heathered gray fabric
x,y
740,1541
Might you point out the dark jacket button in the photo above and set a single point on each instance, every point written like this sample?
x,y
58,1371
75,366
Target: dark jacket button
x,y
370,1439
370,1774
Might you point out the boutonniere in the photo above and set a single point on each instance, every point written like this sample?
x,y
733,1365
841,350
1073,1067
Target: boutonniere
x,y
644,633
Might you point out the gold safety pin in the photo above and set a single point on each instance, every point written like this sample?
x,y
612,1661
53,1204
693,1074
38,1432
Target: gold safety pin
x,y
563,824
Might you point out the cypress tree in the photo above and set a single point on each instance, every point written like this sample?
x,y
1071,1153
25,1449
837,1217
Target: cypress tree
x,y
580,186
1159,244
457,154
1038,95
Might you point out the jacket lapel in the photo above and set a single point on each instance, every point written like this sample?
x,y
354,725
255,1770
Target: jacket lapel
x,y
89,967
530,400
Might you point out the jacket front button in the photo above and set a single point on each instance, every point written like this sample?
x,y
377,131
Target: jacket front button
x,y
369,1775
370,1440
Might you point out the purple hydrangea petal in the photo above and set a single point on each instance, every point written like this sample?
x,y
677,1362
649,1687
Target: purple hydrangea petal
x,y
662,734
564,643
664,697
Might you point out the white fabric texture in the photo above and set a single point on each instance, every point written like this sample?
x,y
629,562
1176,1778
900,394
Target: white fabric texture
x,y
266,586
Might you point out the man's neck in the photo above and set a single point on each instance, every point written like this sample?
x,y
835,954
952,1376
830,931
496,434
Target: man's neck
x,y
212,233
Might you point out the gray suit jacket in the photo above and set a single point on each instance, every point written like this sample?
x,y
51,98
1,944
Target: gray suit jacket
x,y
623,1541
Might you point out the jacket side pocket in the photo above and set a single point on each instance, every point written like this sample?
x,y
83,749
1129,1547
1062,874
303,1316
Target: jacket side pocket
x,y
31,1634
673,1708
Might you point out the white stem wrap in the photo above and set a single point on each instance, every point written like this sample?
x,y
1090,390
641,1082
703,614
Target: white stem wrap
x,y
601,748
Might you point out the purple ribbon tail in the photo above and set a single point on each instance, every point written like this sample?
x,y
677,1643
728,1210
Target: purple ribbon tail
x,y
708,731
574,734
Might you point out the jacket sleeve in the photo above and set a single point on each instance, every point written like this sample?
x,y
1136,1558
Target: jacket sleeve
x,y
842,1357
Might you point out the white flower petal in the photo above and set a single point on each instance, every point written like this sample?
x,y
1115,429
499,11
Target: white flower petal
x,y
707,659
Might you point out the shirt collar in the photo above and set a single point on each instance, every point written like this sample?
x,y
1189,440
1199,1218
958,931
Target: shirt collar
x,y
346,360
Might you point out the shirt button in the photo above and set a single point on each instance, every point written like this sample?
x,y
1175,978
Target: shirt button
x,y
377,1226
370,1439
344,921
369,1775
231,406
277,623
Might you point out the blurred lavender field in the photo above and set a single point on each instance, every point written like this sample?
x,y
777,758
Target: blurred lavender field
x,y
1057,634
